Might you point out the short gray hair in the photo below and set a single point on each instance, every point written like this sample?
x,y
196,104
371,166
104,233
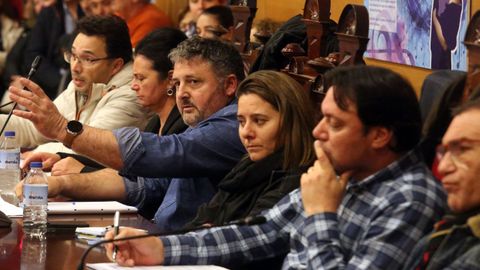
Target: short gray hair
x,y
223,57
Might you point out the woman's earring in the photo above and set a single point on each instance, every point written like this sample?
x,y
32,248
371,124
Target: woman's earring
x,y
170,92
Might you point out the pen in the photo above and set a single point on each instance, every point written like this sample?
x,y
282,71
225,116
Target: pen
x,y
116,221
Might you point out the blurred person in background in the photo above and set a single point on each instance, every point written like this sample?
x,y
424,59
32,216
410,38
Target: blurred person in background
x,y
11,29
100,7
141,16
216,22
188,17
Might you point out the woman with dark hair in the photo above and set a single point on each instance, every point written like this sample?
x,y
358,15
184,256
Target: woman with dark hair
x,y
151,80
216,22
275,123
188,16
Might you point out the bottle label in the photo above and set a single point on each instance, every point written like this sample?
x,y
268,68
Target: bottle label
x,y
35,194
10,159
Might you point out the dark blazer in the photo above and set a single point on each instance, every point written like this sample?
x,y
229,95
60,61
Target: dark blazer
x,y
47,39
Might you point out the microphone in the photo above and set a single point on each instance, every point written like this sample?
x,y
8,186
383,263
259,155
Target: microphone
x,y
248,221
33,68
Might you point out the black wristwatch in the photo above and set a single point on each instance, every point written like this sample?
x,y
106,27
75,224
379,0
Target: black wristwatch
x,y
74,128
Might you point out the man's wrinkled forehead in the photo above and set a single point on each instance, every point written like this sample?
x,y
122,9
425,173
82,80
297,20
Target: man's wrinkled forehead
x,y
463,127
192,67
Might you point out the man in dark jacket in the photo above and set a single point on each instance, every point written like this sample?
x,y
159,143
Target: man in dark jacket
x,y
455,243
48,39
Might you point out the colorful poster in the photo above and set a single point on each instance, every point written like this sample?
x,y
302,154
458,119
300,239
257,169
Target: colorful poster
x,y
426,33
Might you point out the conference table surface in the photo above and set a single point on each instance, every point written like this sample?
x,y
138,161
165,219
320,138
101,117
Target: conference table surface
x,y
60,250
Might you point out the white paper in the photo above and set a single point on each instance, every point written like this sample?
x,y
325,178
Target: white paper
x,y
10,210
100,207
93,231
114,266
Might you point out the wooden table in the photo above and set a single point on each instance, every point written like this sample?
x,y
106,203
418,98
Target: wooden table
x,y
60,250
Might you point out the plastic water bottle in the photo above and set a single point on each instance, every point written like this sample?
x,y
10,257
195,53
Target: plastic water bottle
x,y
35,200
34,253
9,167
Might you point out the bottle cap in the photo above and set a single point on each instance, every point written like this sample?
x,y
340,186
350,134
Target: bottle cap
x,y
9,133
36,164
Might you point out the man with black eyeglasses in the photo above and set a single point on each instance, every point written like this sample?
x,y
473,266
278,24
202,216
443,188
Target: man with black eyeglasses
x,y
455,243
99,94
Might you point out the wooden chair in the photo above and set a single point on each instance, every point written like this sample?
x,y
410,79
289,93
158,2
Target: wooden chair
x,y
352,37
472,41
316,16
243,14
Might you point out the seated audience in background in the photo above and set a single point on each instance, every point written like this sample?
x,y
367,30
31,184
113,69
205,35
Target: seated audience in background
x,y
275,123
85,5
141,16
262,30
152,84
99,93
455,242
188,17
206,74
186,22
216,22
365,202
198,6
291,31
31,9
100,7
50,36
13,62
10,31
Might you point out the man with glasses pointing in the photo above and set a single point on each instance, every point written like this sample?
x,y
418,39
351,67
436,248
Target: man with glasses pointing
x,y
455,243
99,94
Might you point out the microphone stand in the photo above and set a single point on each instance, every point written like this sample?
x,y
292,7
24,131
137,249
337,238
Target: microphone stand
x,y
33,69
6,104
248,221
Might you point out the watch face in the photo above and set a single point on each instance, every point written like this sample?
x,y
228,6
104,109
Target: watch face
x,y
74,126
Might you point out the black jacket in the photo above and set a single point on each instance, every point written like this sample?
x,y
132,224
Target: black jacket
x,y
248,189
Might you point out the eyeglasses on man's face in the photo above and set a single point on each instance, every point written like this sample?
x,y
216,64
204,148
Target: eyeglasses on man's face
x,y
458,151
85,61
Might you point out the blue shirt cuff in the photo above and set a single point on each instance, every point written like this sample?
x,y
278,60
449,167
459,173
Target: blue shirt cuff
x,y
131,147
135,191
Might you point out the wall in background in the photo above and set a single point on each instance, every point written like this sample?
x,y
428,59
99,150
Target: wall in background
x,y
282,10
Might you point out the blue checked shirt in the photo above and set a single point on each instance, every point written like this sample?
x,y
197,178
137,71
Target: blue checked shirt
x,y
378,223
